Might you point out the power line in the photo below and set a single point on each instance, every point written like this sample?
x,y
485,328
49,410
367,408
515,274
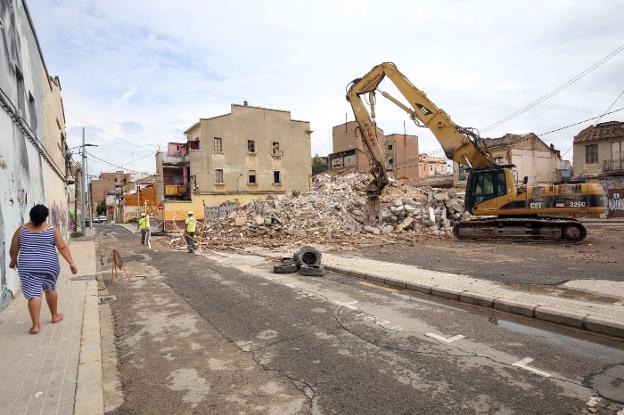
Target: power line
x,y
114,165
133,161
581,122
109,133
556,90
611,106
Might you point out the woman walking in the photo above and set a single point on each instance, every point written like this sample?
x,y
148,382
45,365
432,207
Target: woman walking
x,y
38,265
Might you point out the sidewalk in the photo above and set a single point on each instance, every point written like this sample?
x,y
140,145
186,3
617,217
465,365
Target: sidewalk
x,y
40,372
601,317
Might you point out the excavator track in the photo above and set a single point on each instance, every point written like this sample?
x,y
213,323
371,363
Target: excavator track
x,y
541,228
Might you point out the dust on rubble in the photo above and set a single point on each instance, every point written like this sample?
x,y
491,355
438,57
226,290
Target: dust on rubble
x,y
333,213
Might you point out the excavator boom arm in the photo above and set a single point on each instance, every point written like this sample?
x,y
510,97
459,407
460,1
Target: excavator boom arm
x,y
460,144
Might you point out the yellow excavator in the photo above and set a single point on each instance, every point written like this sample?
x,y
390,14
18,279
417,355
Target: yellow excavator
x,y
503,209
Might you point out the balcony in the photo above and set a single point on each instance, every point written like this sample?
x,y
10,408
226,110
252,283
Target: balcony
x,y
614,166
176,159
175,190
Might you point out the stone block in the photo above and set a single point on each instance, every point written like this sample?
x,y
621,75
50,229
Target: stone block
x,y
515,307
476,299
423,288
395,283
445,292
605,326
555,315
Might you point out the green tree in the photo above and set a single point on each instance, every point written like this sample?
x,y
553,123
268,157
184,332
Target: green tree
x,y
101,208
317,164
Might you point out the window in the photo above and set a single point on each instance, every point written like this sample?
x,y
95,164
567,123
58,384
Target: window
x,y
219,176
32,109
489,185
390,161
277,179
21,92
617,150
218,145
390,147
251,146
462,172
252,177
276,149
591,153
195,144
499,161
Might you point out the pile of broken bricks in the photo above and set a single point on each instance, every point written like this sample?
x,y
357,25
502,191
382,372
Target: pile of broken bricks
x,y
335,210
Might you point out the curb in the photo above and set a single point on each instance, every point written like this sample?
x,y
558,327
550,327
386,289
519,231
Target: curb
x,y
567,318
89,390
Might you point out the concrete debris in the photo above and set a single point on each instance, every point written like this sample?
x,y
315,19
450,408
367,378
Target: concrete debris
x,y
335,210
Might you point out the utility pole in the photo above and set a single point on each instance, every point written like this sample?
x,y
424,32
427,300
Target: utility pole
x,y
82,184
76,194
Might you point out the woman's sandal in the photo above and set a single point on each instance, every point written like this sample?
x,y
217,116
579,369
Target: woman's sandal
x,y
33,331
60,318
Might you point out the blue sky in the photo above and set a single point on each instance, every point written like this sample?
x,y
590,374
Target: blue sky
x,y
138,73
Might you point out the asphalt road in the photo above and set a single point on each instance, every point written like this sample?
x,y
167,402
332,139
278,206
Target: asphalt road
x,y
599,256
220,333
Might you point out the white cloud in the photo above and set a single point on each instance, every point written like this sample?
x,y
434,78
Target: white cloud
x,y
480,61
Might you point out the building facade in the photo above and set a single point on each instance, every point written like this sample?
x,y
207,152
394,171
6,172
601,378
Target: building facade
x,y
247,154
401,155
117,182
32,126
532,158
348,150
431,166
599,154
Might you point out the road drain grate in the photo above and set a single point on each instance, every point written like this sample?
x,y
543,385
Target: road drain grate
x,y
83,278
107,298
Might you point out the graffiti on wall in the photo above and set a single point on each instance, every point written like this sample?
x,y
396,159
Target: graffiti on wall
x,y
21,172
614,189
616,202
212,213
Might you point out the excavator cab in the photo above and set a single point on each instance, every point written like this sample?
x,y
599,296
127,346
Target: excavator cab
x,y
485,184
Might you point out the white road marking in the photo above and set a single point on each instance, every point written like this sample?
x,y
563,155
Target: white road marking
x,y
524,365
369,318
38,394
348,305
444,339
383,322
397,327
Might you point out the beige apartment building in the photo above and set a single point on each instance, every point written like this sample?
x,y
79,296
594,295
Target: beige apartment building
x,y
348,149
247,154
531,156
401,155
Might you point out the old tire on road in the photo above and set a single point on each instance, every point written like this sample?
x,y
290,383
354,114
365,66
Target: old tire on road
x,y
312,270
285,267
307,255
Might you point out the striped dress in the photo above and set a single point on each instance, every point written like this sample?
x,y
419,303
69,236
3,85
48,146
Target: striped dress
x,y
38,262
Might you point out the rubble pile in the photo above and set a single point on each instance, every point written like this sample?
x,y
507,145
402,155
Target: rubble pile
x,y
335,210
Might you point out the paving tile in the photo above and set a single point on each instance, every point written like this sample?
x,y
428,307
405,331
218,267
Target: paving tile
x,y
39,372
